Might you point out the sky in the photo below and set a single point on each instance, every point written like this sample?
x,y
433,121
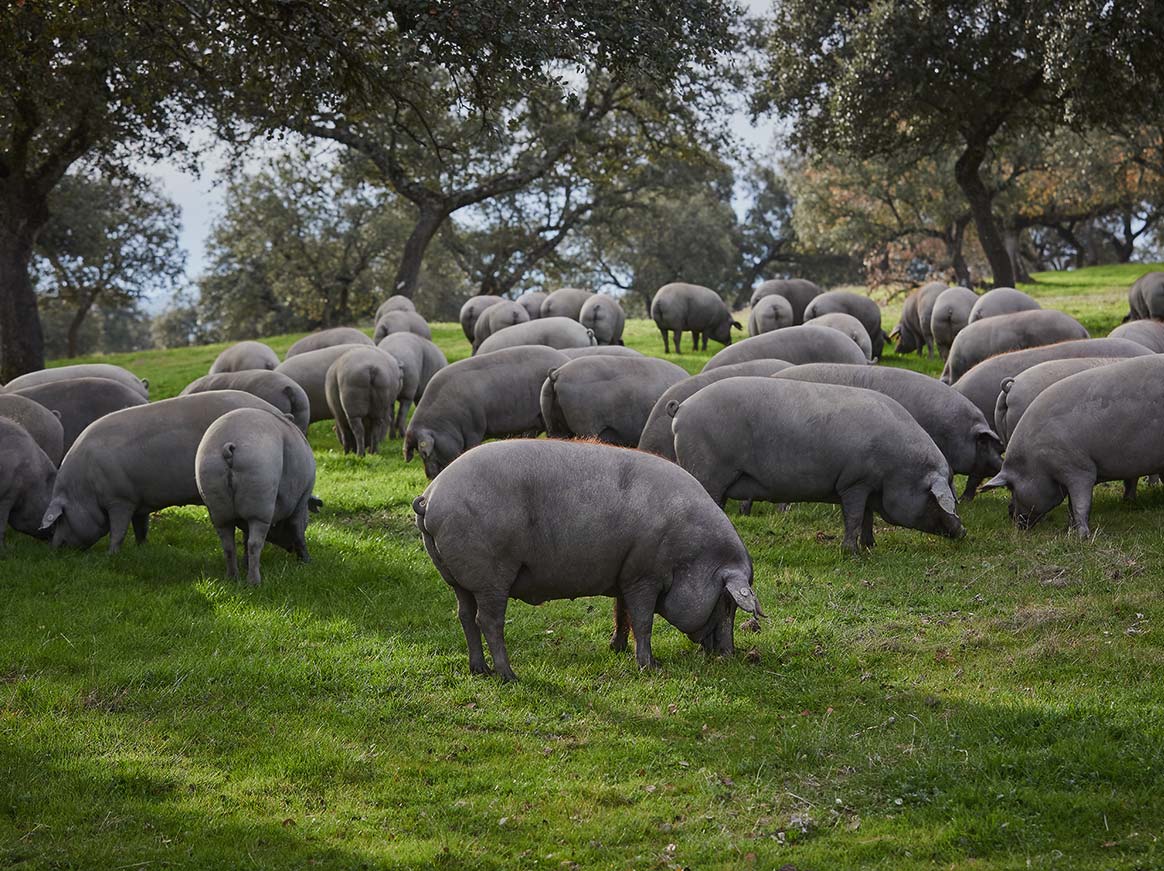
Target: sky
x,y
200,197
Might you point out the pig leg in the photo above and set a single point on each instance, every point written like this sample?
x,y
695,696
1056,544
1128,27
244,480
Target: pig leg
x,y
1079,501
6,508
746,507
300,535
467,614
694,340
972,483
853,505
641,599
401,418
666,340
867,527
491,620
226,536
678,341
704,342
256,538
621,625
141,526
120,516
1130,489
357,428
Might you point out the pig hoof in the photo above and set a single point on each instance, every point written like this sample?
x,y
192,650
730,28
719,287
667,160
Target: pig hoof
x,y
507,676
752,625
651,665
618,643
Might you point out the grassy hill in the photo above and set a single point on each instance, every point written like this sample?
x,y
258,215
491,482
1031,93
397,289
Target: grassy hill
x,y
989,703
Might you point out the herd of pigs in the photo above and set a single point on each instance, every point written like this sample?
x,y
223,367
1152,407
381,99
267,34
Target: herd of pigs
x,y
626,497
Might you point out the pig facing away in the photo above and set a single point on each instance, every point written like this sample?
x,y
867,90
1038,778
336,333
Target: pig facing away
x,y
328,339
798,291
603,315
786,441
395,303
401,322
565,302
855,305
607,398
242,356
1146,297
27,476
989,337
82,370
133,462
553,332
981,384
415,354
926,302
1147,332
275,387
908,333
255,471
488,396
495,318
361,391
849,326
1001,301
1018,392
958,428
471,310
600,351
309,371
772,312
532,301
657,437
521,519
1103,424
803,344
679,307
80,401
950,315
43,425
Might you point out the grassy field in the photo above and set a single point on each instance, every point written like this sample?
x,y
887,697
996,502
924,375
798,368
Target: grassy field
x,y
989,703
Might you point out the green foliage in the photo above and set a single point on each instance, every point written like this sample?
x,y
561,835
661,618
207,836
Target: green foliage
x,y
992,702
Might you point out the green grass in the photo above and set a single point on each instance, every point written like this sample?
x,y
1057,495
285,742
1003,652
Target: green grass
x,y
990,703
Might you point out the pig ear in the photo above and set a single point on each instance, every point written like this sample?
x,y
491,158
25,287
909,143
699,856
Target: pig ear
x,y
999,480
945,496
987,434
409,445
52,515
424,447
736,325
744,596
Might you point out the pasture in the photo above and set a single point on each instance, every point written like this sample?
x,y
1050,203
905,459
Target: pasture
x,y
993,702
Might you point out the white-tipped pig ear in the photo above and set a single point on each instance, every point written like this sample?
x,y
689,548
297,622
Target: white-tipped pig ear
x,y
52,515
999,480
944,495
744,597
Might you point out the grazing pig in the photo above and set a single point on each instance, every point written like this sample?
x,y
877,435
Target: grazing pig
x,y
603,315
361,389
679,307
395,303
309,371
981,384
80,401
1016,393
772,312
332,338
542,520
848,325
566,302
798,291
657,437
992,336
255,471
1149,333
275,387
1001,301
856,305
81,370
415,355
785,441
600,351
926,301
553,332
472,309
133,462
242,356
950,316
496,318
532,301
607,398
908,333
401,322
39,422
488,396
1146,297
803,344
1099,425
959,430
27,475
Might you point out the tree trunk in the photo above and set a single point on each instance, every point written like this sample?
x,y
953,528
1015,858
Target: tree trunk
x,y
428,221
978,196
954,245
21,339
1012,239
74,332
